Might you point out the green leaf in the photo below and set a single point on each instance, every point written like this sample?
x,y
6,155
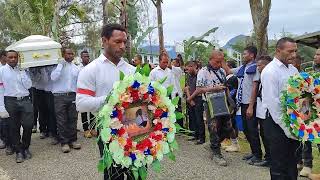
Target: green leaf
x,y
172,156
174,145
316,141
138,69
146,70
101,166
183,81
161,81
135,174
107,159
175,101
143,172
156,166
178,127
179,115
169,90
121,75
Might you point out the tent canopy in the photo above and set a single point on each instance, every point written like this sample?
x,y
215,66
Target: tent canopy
x,y
311,39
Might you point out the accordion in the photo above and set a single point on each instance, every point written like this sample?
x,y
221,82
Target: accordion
x,y
218,104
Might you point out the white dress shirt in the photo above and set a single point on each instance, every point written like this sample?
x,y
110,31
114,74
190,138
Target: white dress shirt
x,y
274,78
177,74
13,83
158,74
64,78
96,81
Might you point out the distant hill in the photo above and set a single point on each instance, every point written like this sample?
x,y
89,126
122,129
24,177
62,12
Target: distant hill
x,y
234,40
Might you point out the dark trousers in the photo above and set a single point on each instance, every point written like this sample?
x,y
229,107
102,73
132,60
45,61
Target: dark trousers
x,y
86,123
115,173
52,121
39,101
66,116
219,128
35,105
196,120
251,130
266,144
4,131
283,152
305,154
21,114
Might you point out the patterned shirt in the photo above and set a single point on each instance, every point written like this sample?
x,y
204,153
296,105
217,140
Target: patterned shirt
x,y
206,78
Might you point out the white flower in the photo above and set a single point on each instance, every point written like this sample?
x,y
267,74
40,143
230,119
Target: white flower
x,y
149,160
137,163
170,137
159,155
126,162
165,148
152,108
115,123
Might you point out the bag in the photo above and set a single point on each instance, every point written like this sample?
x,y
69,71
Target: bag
x,y
217,104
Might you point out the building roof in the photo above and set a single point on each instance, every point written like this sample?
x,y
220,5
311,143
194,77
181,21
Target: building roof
x,y
311,39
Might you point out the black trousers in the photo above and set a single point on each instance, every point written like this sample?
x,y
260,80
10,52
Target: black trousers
x,y
52,121
283,151
305,154
21,114
266,143
4,131
39,101
87,122
196,120
35,105
251,130
115,173
66,116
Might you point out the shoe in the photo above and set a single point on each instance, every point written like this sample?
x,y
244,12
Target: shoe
x,y
54,141
247,157
305,172
199,142
27,154
300,166
87,134
254,160
233,148
94,133
225,143
75,145
34,129
263,163
65,148
2,144
192,139
19,158
219,159
43,135
9,151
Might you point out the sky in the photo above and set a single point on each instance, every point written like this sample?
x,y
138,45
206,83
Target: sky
x,y
185,18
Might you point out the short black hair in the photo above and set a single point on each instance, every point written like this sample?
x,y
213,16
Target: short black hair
x,y
3,53
253,50
108,29
265,59
84,51
139,112
139,57
231,63
64,49
283,40
11,50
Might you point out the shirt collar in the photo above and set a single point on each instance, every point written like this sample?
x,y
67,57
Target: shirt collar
x,y
103,59
279,63
159,68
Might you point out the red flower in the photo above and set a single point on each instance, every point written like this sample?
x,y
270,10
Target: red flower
x,y
121,131
126,153
141,147
302,127
135,95
158,127
119,115
128,145
145,96
144,144
309,131
154,99
158,112
156,137
125,104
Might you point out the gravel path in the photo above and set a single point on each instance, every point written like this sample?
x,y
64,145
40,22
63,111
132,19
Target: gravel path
x,y
192,162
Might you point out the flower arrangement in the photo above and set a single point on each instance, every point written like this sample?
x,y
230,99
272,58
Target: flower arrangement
x,y
122,150
301,106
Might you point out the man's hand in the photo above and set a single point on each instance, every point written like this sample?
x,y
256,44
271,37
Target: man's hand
x,y
192,103
4,114
220,87
249,112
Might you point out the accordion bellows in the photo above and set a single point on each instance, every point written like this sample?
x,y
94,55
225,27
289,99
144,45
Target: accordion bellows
x,y
37,50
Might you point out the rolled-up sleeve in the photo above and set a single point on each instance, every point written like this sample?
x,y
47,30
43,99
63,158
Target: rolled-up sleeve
x,y
86,100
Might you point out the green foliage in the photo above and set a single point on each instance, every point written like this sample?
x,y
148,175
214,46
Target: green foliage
x,y
175,101
174,145
143,172
161,81
156,166
169,90
171,156
121,75
179,115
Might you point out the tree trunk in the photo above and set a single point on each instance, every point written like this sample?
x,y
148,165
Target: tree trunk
x,y
105,11
260,10
55,29
160,25
124,22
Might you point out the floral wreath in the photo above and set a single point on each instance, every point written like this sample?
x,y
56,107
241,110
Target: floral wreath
x,y
301,107
122,150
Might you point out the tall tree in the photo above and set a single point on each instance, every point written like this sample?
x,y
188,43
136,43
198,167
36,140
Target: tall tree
x,y
105,11
260,10
157,4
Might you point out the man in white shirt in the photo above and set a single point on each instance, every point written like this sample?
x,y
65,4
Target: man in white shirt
x,y
274,79
162,71
3,129
97,78
15,103
64,88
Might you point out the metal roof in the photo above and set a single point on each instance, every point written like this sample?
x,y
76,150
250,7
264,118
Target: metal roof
x,y
311,39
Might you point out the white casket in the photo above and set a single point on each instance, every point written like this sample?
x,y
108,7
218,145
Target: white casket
x,y
37,50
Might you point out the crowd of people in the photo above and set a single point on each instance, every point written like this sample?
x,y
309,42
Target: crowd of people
x,y
52,96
